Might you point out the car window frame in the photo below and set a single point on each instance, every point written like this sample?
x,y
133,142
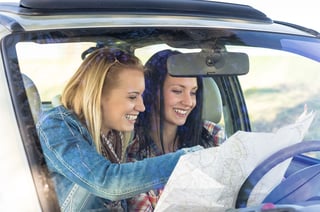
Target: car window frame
x,y
240,119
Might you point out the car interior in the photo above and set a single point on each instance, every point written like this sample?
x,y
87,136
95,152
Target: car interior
x,y
250,84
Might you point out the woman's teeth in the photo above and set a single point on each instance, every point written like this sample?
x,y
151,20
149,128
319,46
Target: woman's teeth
x,y
182,112
131,117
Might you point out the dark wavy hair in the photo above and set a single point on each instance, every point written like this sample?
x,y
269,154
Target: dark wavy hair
x,y
155,74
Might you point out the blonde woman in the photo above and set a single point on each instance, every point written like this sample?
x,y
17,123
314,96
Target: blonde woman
x,y
84,139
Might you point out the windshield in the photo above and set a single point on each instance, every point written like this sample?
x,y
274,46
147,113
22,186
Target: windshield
x,y
252,81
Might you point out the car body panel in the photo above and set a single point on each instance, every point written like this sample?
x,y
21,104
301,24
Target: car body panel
x,y
27,34
96,20
18,191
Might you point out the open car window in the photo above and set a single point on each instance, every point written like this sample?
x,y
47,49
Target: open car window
x,y
39,63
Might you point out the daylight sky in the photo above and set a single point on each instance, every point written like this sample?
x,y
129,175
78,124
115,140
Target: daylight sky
x,y
305,13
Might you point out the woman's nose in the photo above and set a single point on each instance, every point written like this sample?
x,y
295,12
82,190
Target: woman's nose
x,y
140,106
187,100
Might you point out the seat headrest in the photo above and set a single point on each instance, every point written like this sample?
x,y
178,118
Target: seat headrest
x,y
212,102
56,100
33,97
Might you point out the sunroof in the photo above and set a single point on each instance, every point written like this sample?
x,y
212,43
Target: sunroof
x,y
195,7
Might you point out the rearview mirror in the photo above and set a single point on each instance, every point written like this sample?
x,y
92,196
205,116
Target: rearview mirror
x,y
208,63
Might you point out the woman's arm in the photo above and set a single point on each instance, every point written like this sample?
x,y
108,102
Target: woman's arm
x,y
65,146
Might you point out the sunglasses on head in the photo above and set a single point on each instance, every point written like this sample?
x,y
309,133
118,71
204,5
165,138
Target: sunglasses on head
x,y
111,54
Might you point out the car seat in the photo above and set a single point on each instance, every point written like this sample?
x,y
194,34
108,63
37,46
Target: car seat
x,y
212,101
56,100
33,97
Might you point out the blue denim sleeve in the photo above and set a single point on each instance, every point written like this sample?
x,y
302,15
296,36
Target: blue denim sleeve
x,y
70,153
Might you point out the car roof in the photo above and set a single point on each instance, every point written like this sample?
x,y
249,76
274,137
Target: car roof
x,y
183,7
144,12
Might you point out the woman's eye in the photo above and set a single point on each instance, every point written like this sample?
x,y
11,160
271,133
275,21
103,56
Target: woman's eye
x,y
193,93
177,91
132,97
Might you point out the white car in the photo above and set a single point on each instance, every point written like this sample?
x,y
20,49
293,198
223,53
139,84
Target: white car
x,y
264,73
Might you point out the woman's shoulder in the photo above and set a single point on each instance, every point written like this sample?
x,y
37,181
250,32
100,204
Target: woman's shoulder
x,y
54,110
216,131
211,126
57,113
63,119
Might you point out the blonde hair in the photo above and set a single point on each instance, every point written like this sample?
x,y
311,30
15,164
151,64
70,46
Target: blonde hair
x,y
82,93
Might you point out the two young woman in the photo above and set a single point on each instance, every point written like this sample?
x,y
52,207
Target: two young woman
x,y
172,120
84,140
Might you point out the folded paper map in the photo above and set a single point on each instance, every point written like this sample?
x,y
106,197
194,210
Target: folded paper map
x,y
210,179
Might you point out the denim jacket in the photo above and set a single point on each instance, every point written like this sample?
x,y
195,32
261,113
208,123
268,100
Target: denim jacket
x,y
86,180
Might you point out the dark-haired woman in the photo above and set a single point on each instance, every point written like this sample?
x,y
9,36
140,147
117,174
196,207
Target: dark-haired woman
x,y
172,120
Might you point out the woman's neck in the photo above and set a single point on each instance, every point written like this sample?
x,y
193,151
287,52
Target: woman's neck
x,y
105,131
